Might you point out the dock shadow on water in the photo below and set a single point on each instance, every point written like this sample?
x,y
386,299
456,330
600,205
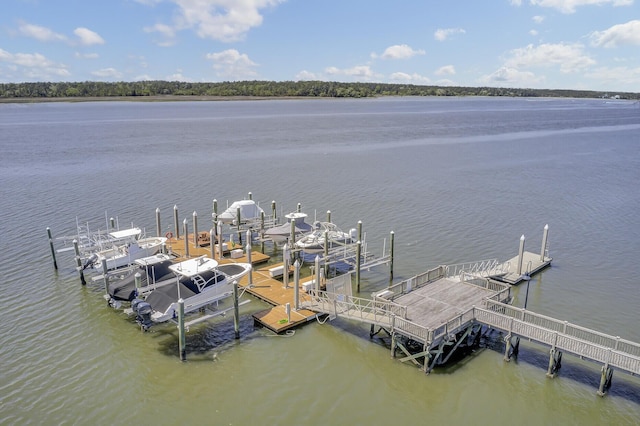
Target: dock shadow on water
x,y
580,371
207,341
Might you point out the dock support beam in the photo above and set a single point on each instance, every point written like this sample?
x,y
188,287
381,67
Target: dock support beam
x,y
185,226
543,250
53,250
158,226
555,362
296,285
358,262
391,242
606,375
105,275
76,250
520,255
195,229
176,221
512,347
181,336
236,311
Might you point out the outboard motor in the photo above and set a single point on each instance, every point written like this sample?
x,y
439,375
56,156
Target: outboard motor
x,y
143,313
90,261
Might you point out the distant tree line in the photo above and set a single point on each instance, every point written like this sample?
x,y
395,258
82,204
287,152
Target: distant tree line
x,y
322,89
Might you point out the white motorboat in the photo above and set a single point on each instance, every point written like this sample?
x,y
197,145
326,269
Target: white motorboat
x,y
314,242
249,212
153,271
125,250
281,233
198,282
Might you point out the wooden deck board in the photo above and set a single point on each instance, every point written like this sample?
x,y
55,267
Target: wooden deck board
x,y
436,303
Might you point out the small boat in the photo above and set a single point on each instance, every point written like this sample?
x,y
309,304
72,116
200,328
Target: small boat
x,y
153,271
281,233
249,212
198,282
125,251
314,242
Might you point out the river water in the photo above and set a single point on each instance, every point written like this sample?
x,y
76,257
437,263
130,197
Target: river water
x,y
456,180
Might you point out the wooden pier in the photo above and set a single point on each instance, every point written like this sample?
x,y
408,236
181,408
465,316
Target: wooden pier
x,y
263,286
442,313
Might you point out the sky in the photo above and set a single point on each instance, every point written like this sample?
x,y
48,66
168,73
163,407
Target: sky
x,y
539,44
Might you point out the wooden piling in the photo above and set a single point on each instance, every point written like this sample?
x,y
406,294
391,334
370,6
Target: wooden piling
x,y
296,284
236,310
176,225
105,275
520,255
358,263
543,250
391,244
195,229
76,250
53,250
185,227
158,227
181,336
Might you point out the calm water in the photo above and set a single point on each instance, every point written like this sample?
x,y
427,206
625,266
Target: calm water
x,y
455,179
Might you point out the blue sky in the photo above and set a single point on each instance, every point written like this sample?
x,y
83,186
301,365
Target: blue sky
x,y
554,44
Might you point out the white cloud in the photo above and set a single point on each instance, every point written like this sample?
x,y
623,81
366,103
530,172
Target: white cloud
x,y
510,77
88,37
622,34
615,76
358,72
538,19
223,20
231,64
81,55
33,65
533,32
570,57
107,73
305,75
177,77
399,51
446,70
414,78
39,33
443,34
167,33
569,6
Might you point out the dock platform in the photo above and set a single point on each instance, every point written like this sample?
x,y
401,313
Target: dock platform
x,y
263,286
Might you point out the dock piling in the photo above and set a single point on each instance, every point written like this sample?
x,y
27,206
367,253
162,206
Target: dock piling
x,y
76,250
285,265
296,283
520,255
181,336
185,227
543,250
358,262
391,243
105,275
176,221
53,250
195,229
236,310
158,227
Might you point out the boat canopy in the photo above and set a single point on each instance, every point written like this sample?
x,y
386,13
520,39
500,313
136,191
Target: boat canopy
x,y
248,210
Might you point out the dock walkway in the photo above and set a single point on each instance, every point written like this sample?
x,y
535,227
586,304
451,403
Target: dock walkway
x,y
441,312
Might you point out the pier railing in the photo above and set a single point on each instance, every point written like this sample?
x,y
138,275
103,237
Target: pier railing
x,y
573,338
482,268
372,311
417,281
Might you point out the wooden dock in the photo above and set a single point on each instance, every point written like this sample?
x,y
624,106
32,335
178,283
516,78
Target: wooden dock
x,y
263,286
